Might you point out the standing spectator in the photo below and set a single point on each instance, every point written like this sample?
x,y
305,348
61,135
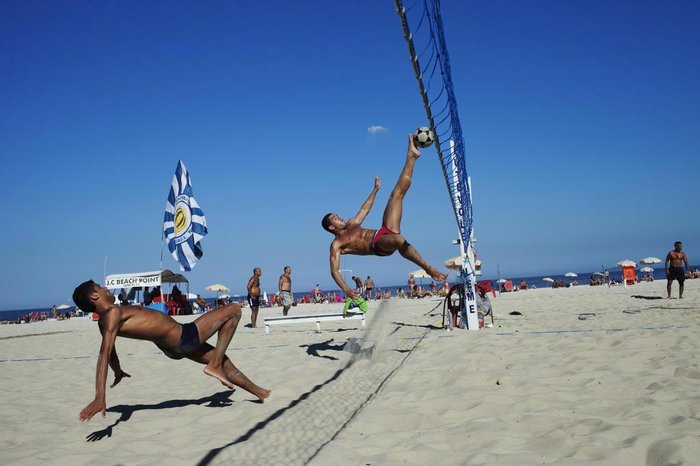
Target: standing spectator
x,y
254,295
285,290
369,286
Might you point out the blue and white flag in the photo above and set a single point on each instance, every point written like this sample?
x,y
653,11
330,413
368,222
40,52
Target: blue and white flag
x,y
184,224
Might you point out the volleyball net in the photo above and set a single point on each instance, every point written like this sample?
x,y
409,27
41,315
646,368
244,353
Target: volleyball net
x,y
423,31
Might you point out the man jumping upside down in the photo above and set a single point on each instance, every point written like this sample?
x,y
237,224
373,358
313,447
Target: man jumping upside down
x,y
177,341
351,238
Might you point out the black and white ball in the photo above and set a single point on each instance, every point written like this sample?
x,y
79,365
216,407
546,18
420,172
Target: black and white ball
x,y
423,137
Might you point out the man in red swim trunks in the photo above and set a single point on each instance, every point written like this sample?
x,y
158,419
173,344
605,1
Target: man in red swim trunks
x,y
351,238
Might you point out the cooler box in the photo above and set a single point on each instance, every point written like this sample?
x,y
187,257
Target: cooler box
x,y
160,307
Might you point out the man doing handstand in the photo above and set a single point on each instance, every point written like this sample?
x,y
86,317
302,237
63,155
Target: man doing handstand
x,y
351,238
175,340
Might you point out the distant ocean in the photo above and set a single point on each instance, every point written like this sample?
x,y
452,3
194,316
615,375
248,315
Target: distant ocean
x,y
583,278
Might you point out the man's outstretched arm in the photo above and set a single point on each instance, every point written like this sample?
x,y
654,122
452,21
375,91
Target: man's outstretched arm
x,y
335,272
367,206
109,334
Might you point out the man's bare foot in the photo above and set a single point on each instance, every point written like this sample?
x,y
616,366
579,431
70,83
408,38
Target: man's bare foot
x,y
262,394
218,374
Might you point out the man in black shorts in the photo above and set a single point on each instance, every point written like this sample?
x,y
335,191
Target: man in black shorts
x,y
674,268
254,295
175,340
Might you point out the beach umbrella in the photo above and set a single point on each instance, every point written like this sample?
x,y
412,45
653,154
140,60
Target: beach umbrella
x,y
570,275
420,273
191,296
62,307
502,280
454,263
547,279
626,263
599,274
650,261
224,296
218,287
646,269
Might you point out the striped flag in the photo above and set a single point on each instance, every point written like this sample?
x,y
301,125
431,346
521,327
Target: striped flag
x,y
184,224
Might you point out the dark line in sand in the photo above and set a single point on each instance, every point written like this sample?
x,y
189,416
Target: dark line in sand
x,y
34,335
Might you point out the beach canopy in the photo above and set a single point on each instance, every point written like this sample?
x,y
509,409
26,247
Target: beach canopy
x,y
218,287
626,263
547,279
650,260
646,269
570,275
140,279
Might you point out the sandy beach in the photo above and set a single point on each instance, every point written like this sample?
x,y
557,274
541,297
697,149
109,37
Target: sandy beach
x,y
584,375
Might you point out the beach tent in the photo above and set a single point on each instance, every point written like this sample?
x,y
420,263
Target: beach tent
x,y
144,279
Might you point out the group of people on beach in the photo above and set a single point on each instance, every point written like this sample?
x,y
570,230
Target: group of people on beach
x,y
189,341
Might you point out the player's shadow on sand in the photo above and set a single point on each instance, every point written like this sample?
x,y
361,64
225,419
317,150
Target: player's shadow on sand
x,y
351,346
217,400
637,296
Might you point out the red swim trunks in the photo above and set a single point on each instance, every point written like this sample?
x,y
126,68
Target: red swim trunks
x,y
378,234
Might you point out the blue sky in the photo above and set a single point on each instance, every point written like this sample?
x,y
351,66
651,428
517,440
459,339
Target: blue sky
x,y
580,121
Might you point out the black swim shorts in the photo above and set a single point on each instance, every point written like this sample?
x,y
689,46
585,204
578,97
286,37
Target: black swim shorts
x,y
676,273
189,342
253,301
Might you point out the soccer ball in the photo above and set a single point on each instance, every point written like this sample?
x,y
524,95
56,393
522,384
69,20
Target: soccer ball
x,y
423,137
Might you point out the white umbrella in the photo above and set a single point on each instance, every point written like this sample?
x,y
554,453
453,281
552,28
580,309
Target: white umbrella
x,y
502,280
455,263
62,307
600,274
626,263
218,287
224,296
570,275
547,279
420,273
646,269
191,296
650,260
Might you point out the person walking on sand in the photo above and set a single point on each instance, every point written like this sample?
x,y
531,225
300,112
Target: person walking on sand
x,y
284,289
351,238
254,295
175,340
674,268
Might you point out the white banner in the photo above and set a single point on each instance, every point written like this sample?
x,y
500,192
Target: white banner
x,y
131,280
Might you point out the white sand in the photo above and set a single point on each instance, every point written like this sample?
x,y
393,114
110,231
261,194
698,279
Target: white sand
x,y
543,387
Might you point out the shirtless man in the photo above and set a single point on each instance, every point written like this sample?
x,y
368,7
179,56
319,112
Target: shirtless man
x,y
674,268
411,285
285,290
175,340
254,295
351,238
369,286
358,284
